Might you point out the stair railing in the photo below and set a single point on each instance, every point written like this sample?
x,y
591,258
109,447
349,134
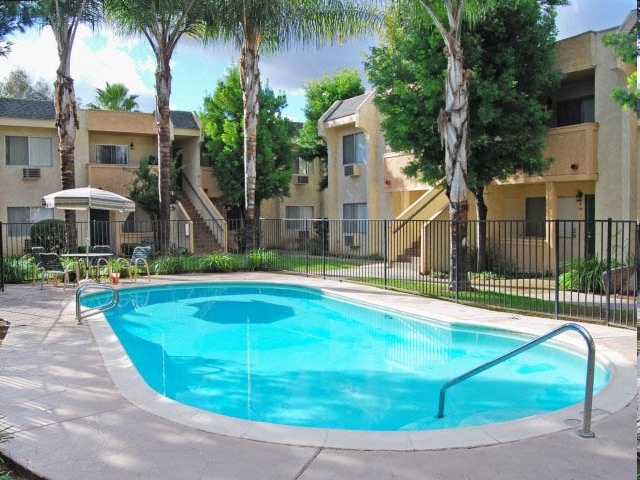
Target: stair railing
x,y
217,225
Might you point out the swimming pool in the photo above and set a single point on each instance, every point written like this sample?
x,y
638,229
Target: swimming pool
x,y
254,351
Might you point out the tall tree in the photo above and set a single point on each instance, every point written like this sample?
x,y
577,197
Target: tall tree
x,y
114,97
64,16
320,95
274,25
14,16
18,84
162,23
511,52
222,118
625,46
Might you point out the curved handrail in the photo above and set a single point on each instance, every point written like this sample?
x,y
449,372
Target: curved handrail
x,y
112,303
585,431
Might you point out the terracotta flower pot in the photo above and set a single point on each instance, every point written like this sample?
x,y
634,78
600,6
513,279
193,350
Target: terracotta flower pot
x,y
114,277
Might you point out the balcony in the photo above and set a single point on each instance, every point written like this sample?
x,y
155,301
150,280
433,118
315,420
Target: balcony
x,y
574,149
131,123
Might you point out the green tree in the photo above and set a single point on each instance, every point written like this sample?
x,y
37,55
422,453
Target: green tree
x,y
14,16
321,94
510,52
114,97
162,23
222,119
143,190
274,25
18,84
625,47
64,16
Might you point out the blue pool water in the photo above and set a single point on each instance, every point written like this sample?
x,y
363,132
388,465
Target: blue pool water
x,y
295,356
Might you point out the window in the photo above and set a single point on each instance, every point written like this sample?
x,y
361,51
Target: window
x,y
21,218
353,212
303,167
29,151
354,148
535,214
112,154
576,111
297,214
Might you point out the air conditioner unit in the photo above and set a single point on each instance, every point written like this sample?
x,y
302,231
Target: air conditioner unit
x,y
352,240
302,179
30,173
353,170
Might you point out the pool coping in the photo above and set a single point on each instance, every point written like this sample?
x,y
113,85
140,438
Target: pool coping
x,y
617,394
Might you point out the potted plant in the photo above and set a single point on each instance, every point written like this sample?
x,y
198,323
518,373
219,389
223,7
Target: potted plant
x,y
114,271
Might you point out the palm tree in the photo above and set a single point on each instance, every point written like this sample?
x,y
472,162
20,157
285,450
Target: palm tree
x,y
275,25
453,125
162,23
64,16
114,97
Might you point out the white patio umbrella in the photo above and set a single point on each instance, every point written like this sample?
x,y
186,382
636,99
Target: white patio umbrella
x,y
86,198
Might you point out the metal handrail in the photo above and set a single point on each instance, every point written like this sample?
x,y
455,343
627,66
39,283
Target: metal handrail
x,y
218,222
585,431
112,303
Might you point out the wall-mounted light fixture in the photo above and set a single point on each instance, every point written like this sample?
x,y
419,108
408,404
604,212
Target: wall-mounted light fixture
x,y
132,146
579,196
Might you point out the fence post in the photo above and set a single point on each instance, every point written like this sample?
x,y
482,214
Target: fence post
x,y
556,242
608,276
385,246
324,250
1,259
306,244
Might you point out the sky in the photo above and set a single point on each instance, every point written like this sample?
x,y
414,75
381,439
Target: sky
x,y
102,56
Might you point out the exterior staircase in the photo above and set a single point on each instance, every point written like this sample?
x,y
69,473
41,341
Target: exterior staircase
x,y
410,253
203,239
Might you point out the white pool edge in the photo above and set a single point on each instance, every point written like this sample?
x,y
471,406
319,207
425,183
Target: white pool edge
x,y
618,393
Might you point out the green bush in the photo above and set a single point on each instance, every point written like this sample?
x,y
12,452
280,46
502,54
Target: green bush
x,y
263,260
50,234
493,263
168,265
217,262
18,269
584,275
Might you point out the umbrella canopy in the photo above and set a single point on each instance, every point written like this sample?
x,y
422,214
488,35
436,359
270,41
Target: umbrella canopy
x,y
87,197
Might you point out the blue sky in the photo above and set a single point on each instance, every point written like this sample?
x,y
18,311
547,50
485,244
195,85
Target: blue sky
x,y
100,57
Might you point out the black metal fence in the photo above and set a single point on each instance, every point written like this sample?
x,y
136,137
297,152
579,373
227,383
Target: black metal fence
x,y
569,269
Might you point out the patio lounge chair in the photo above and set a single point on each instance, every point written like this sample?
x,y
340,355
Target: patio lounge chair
x,y
37,267
139,259
52,267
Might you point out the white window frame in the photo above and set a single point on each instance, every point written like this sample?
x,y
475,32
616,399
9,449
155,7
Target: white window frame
x,y
359,148
125,149
23,228
295,216
303,167
351,213
31,150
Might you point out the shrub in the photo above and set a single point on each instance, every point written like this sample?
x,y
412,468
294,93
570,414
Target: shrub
x,y
263,260
50,234
18,269
584,275
168,265
493,263
217,262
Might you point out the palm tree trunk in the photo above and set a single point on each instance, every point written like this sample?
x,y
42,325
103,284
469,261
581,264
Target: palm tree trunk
x,y
250,78
66,124
163,89
454,130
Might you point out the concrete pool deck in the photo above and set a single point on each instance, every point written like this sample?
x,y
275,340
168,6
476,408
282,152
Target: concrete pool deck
x,y
74,416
